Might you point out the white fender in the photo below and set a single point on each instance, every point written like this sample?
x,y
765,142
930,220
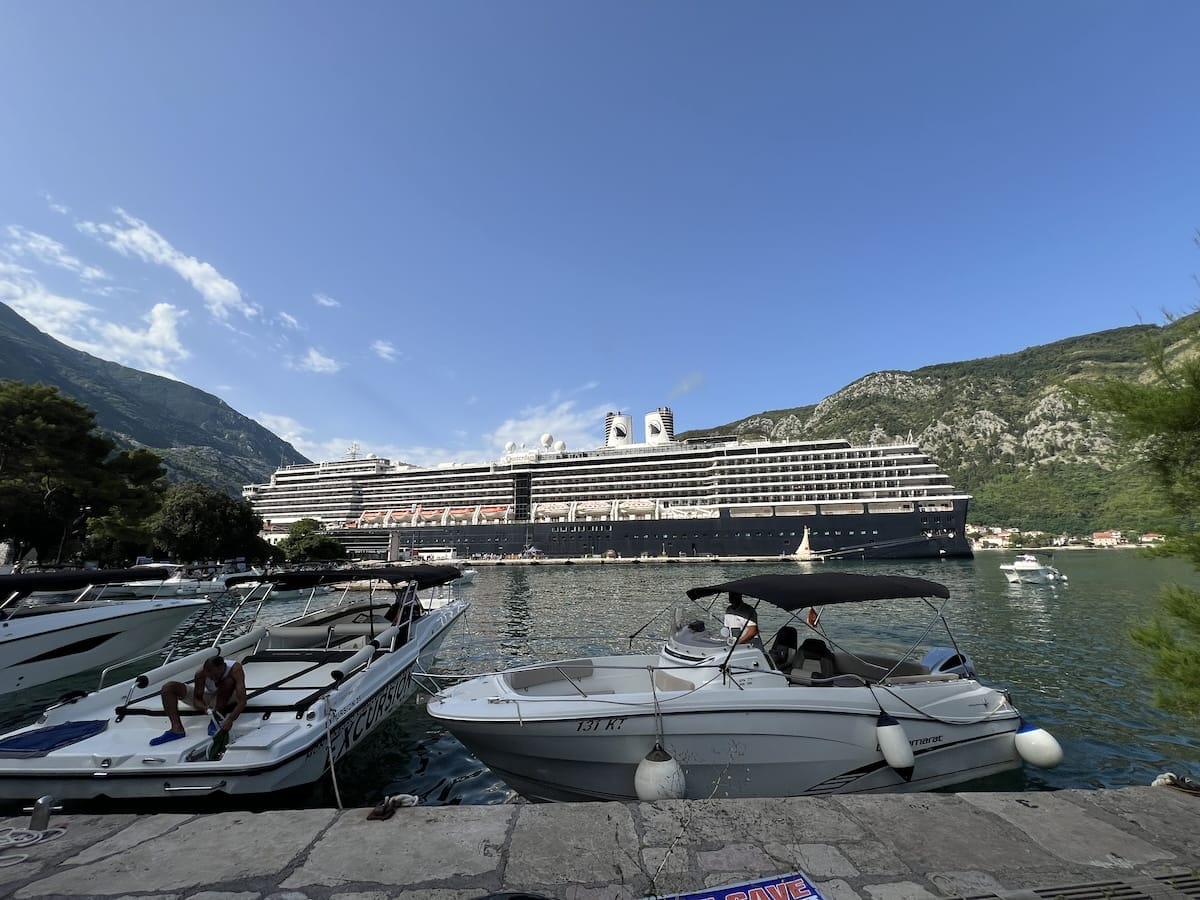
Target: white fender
x,y
1037,746
893,742
659,777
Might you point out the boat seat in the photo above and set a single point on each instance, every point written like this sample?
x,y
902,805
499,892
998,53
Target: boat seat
x,y
784,648
814,658
527,678
665,681
315,637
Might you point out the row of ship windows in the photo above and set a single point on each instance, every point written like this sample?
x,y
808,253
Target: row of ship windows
x,y
545,495
609,476
266,507
589,529
577,486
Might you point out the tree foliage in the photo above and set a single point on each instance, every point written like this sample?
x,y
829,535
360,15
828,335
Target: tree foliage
x,y
196,522
307,542
1159,419
58,478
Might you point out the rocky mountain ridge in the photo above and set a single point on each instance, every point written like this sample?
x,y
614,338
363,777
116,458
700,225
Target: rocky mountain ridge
x,y
1007,429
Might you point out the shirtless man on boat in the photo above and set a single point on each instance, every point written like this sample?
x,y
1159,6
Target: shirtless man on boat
x,y
218,688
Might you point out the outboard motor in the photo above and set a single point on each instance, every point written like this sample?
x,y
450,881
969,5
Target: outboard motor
x,y
947,659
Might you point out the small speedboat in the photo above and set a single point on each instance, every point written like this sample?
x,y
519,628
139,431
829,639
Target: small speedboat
x,y
41,642
316,685
707,717
1028,569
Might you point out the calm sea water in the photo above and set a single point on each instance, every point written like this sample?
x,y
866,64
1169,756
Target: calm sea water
x,y
1063,652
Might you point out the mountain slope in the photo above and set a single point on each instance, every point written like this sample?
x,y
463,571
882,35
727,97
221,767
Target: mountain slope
x,y
1005,428
199,436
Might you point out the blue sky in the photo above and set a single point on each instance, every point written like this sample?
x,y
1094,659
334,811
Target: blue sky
x,y
435,227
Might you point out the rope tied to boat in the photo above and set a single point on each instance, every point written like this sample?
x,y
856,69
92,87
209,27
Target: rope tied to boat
x,y
337,794
24,837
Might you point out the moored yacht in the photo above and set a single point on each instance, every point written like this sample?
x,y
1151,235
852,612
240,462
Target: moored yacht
x,y
706,716
43,642
1028,569
316,685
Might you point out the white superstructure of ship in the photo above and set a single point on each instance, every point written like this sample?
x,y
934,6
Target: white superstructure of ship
x,y
704,495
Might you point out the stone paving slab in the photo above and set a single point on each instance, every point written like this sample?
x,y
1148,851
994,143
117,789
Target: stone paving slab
x,y
884,847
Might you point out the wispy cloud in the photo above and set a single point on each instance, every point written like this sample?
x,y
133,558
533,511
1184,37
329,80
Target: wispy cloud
x,y
692,381
325,300
54,206
384,350
290,321
132,237
156,347
31,244
580,429
300,436
315,361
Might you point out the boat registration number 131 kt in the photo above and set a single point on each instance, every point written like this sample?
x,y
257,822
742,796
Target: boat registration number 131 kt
x,y
600,724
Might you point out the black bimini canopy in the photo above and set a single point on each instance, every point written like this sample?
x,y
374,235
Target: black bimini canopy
x,y
792,592
25,583
425,576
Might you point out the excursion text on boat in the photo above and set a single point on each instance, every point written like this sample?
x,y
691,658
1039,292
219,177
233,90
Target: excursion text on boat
x,y
316,685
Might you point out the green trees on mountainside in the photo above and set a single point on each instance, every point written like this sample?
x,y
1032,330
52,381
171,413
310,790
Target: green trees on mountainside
x,y
1070,499
57,474
67,493
1159,419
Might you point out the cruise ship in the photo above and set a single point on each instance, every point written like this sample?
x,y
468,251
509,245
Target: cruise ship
x,y
711,496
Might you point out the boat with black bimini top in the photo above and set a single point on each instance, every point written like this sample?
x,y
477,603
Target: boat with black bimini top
x,y
316,685
41,642
709,717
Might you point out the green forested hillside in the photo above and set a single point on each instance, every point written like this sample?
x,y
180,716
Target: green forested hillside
x,y
199,436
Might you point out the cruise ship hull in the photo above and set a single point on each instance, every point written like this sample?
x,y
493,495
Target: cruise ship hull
x,y
908,535
718,496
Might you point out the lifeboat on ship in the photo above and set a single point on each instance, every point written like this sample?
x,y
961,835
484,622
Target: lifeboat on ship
x,y
462,513
637,507
371,519
430,513
493,512
593,508
553,510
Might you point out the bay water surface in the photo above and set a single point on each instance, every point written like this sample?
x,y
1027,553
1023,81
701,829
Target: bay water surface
x,y
1064,652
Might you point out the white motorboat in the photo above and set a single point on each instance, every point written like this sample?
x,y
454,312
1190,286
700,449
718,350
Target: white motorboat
x,y
1028,569
704,717
316,685
243,584
43,642
175,583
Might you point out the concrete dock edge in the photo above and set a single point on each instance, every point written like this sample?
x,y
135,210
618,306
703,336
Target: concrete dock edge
x,y
1085,845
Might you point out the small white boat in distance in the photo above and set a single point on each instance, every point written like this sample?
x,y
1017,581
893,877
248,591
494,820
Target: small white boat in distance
x,y
1028,569
705,717
48,641
316,685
